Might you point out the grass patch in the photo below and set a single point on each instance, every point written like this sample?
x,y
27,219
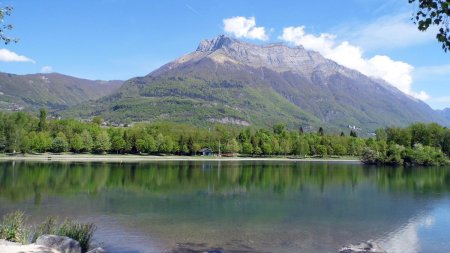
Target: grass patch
x,y
14,228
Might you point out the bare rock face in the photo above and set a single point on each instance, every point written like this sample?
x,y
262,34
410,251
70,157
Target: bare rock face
x,y
364,247
61,243
276,56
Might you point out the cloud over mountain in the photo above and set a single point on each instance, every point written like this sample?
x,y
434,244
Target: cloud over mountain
x,y
242,27
396,73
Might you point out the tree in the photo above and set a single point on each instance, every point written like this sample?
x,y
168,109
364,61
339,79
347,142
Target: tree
x,y
42,120
247,148
88,143
285,146
164,144
266,148
353,133
394,154
59,143
97,120
320,132
369,156
232,146
102,142
76,143
434,13
381,134
40,141
117,142
321,150
300,147
5,11
2,142
399,136
339,149
278,128
193,147
146,144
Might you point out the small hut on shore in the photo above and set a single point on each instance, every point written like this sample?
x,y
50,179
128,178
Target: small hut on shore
x,y
206,152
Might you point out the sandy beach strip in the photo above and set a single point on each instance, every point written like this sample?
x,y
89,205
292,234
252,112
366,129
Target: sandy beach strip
x,y
142,158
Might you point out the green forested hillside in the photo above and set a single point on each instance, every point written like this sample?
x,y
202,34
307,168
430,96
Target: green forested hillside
x,y
198,100
53,91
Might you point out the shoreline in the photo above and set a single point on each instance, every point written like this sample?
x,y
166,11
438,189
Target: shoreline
x,y
142,158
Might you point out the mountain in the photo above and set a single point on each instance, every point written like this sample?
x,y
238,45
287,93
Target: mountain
x,y
54,91
444,113
229,81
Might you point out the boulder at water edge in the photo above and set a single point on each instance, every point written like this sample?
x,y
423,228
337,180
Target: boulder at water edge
x,y
13,247
97,250
61,243
8,243
364,247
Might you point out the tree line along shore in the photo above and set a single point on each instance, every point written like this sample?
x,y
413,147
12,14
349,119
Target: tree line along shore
x,y
417,144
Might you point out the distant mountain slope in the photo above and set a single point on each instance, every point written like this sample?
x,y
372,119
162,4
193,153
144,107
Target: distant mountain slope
x,y
54,91
230,81
444,113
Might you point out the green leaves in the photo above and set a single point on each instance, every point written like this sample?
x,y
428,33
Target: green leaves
x,y
6,11
434,13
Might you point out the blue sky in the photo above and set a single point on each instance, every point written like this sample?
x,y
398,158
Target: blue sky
x,y
120,39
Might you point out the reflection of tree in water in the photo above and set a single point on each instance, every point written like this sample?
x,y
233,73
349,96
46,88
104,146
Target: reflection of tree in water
x,y
24,180
271,203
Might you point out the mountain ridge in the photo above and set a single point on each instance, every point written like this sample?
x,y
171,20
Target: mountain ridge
x,y
50,90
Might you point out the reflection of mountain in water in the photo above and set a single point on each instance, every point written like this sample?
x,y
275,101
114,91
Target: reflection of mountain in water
x,y
276,206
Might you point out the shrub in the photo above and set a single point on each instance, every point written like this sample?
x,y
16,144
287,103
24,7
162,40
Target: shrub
x,y
395,154
59,145
81,232
369,156
426,155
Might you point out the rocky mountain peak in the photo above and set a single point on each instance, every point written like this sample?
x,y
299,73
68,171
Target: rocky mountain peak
x,y
216,43
276,56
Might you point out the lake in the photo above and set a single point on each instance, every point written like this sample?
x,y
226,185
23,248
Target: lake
x,y
238,206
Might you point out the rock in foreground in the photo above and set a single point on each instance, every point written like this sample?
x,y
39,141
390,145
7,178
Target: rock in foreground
x,y
364,247
97,250
13,247
61,243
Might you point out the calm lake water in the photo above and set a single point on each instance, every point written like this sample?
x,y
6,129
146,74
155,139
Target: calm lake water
x,y
246,206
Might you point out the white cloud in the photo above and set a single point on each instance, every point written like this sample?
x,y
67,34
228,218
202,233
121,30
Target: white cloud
x,y
47,69
243,27
406,239
9,56
396,73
